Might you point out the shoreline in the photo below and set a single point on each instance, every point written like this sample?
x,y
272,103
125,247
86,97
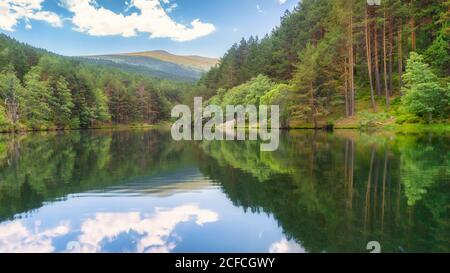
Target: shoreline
x,y
396,128
97,128
415,127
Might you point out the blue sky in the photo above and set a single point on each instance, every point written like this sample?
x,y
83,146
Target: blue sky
x,y
87,27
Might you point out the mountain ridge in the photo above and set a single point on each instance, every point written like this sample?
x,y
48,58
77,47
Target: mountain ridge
x,y
158,63
193,61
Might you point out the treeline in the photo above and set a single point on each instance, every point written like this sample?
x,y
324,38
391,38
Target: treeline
x,y
336,57
41,90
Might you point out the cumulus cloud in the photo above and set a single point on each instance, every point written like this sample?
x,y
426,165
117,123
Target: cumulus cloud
x,y
90,18
12,11
285,246
155,231
282,1
15,237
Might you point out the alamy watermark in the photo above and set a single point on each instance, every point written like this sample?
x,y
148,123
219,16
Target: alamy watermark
x,y
214,123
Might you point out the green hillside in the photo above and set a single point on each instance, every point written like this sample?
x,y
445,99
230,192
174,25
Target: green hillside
x,y
41,90
344,63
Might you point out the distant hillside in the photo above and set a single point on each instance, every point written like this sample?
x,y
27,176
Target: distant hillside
x,y
195,62
159,64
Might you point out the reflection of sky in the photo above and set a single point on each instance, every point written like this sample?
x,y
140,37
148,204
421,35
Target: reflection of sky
x,y
197,219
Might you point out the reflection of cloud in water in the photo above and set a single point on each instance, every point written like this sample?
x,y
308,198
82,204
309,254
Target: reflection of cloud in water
x,y
153,230
285,246
16,238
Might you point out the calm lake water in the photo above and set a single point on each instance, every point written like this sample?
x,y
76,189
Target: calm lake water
x,y
139,191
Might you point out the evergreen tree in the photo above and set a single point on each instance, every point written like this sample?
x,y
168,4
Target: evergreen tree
x,y
61,103
35,99
424,96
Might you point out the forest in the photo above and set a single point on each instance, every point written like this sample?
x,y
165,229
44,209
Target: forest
x,y
341,63
40,90
345,63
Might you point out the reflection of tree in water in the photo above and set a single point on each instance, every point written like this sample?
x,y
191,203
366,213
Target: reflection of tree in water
x,y
328,192
338,193
50,166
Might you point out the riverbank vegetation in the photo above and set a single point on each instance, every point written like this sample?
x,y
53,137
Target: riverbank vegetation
x,y
345,63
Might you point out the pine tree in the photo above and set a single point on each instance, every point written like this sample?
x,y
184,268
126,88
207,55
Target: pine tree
x,y
61,103
423,94
34,99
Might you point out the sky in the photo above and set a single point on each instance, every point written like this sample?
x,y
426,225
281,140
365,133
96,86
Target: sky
x,y
185,27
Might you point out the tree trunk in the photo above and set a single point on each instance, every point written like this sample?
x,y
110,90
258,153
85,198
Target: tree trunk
x,y
352,63
400,55
369,61
391,54
377,65
347,112
385,61
412,23
313,106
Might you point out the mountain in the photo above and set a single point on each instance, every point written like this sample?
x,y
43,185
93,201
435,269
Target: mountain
x,y
158,63
195,62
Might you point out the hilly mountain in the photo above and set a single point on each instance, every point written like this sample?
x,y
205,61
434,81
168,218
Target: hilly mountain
x,y
195,62
159,63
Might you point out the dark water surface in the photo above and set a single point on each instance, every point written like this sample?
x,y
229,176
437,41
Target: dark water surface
x,y
138,191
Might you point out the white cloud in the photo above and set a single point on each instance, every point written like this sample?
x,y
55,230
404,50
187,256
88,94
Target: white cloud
x,y
155,231
282,1
285,246
172,7
258,8
152,19
16,238
12,11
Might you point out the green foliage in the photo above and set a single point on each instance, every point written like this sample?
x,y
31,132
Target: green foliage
x,y
61,103
282,95
35,99
422,165
438,54
310,50
424,95
58,92
4,121
9,84
407,118
248,93
371,120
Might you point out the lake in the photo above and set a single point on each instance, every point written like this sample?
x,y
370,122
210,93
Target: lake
x,y
139,191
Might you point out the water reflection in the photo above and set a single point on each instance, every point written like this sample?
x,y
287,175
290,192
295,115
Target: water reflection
x,y
16,237
152,231
138,191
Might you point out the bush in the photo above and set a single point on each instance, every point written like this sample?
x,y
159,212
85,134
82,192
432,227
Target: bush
x,y
370,120
424,95
4,121
407,118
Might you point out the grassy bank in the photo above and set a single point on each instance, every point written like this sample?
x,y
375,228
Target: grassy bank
x,y
24,129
